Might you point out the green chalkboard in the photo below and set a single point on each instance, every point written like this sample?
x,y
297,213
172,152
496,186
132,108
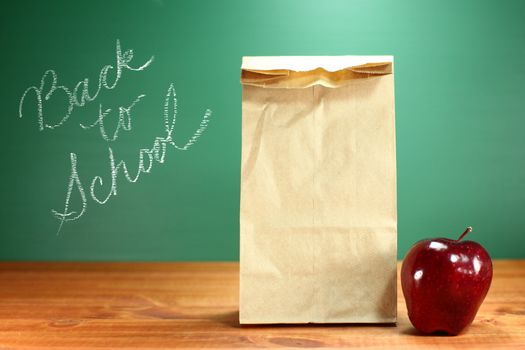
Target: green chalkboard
x,y
89,85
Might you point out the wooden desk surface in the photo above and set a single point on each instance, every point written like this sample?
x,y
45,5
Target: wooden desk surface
x,y
195,305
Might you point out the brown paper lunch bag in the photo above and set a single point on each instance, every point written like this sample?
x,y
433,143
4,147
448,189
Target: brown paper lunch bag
x,y
318,220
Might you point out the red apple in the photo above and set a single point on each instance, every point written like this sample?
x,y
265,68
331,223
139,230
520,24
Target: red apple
x,y
444,282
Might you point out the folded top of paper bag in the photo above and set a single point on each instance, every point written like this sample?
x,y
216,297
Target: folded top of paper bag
x,y
305,71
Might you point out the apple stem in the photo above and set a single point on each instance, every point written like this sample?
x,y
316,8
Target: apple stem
x,y
467,231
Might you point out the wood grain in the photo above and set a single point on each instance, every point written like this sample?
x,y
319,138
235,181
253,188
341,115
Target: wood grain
x,y
195,305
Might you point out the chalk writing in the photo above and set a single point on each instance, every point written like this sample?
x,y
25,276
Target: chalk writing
x,y
79,96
